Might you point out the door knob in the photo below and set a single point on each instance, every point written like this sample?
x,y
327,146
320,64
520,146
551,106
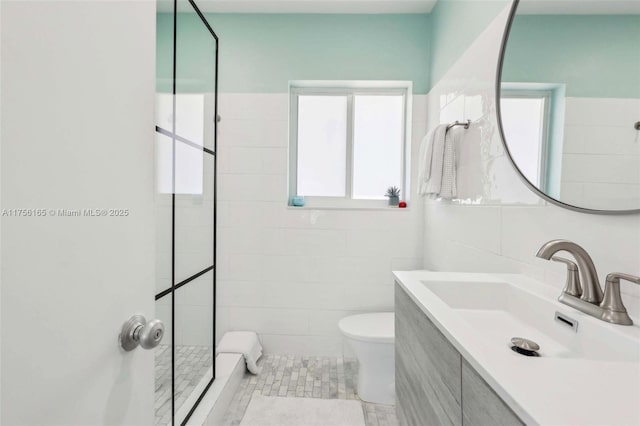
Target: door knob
x,y
137,331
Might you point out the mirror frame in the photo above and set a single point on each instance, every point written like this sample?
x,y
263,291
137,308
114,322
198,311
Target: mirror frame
x,y
523,178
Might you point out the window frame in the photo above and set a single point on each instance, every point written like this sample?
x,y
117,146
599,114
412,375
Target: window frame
x,y
349,89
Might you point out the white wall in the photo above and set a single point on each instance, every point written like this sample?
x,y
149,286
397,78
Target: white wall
x,y
601,153
289,273
77,132
502,231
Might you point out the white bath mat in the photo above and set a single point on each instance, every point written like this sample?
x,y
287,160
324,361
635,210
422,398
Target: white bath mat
x,y
283,411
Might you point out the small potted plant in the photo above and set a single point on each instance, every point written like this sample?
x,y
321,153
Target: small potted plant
x,y
393,192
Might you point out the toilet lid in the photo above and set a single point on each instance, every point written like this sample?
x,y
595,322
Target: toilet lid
x,y
377,327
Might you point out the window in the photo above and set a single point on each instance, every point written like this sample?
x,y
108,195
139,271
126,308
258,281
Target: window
x,y
525,120
347,143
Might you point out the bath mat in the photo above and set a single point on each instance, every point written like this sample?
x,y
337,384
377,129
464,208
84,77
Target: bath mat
x,y
289,411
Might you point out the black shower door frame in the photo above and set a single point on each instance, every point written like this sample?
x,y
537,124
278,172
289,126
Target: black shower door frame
x,y
208,155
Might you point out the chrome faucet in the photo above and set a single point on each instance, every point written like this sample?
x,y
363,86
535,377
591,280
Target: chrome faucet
x,y
591,291
589,298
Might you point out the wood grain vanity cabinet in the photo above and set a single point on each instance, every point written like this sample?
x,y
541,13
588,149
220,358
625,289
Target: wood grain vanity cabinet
x,y
434,384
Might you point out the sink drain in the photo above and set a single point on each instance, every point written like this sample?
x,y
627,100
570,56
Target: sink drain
x,y
525,347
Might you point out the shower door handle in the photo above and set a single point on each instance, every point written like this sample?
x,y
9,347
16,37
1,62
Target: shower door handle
x,y
137,331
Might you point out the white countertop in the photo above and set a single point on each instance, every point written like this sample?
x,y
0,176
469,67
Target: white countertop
x,y
546,391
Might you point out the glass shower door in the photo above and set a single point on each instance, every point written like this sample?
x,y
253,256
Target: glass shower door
x,y
186,195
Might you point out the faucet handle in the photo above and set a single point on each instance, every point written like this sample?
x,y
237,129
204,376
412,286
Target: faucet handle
x,y
572,286
617,276
613,308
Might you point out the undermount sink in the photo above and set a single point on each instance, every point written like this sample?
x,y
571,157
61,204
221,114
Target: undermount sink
x,y
499,311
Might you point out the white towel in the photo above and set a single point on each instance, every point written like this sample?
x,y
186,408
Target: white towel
x,y
437,163
242,342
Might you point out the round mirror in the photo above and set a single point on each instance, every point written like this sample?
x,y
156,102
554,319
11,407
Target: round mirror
x,y
569,110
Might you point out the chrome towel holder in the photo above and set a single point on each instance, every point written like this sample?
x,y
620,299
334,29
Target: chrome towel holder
x,y
457,123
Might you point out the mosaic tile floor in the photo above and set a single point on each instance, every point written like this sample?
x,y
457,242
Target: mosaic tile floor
x,y
309,377
192,363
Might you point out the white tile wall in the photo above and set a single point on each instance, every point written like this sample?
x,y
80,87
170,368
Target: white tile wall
x,y
601,160
291,274
466,92
507,225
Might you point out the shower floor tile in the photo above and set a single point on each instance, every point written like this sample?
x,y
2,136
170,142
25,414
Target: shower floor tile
x,y
191,364
309,377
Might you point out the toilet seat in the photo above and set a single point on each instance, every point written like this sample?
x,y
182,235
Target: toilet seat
x,y
376,327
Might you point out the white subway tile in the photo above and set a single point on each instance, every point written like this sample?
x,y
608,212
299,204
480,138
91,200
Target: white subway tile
x,y
272,187
312,219
572,193
252,106
477,226
605,196
240,293
574,139
309,296
239,214
270,321
189,263
372,270
601,111
240,267
325,323
274,160
238,188
312,242
275,133
281,267
239,160
302,345
612,241
474,108
198,292
453,111
620,140
419,109
367,298
600,168
406,263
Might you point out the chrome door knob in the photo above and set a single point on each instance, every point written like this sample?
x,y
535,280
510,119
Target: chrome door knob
x,y
150,335
137,331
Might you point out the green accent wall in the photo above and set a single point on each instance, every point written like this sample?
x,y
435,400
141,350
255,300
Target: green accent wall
x,y
164,52
261,53
594,55
455,24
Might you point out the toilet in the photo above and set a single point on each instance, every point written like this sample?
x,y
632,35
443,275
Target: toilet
x,y
371,336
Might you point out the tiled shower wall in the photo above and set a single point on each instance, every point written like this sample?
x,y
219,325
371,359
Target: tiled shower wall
x,y
500,224
291,273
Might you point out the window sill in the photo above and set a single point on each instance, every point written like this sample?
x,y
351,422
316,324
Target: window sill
x,y
372,208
